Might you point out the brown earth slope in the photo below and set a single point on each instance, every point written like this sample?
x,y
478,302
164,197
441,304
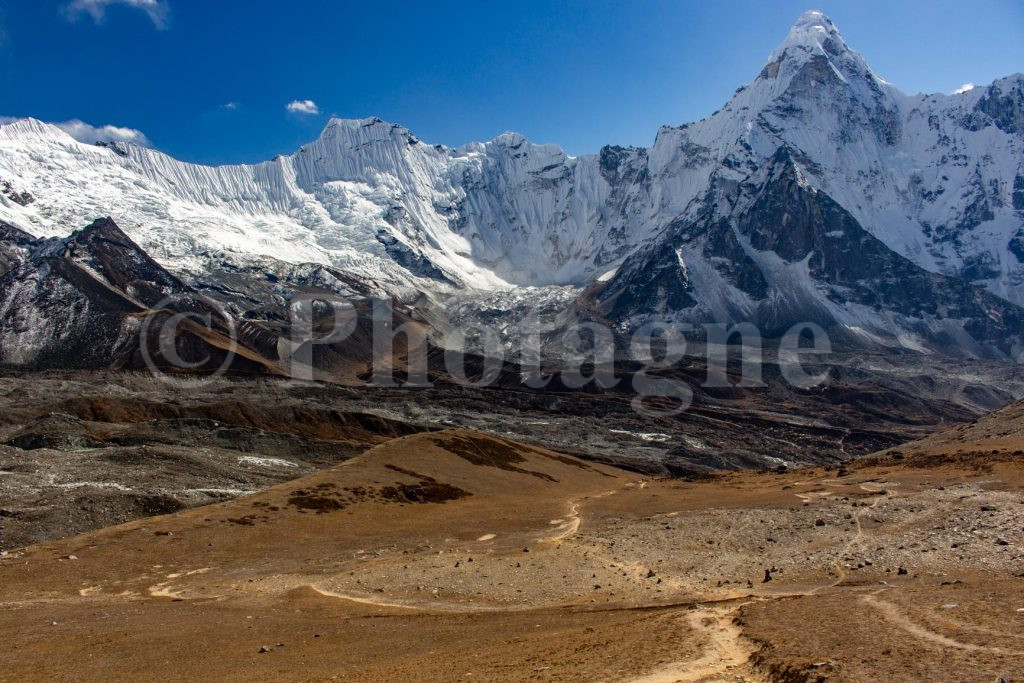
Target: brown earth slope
x,y
84,450
454,555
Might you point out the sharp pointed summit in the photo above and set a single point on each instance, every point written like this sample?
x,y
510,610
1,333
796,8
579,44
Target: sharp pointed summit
x,y
813,30
815,50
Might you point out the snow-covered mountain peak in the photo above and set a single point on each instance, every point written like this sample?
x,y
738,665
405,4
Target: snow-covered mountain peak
x,y
814,54
518,146
814,31
33,129
355,123
352,133
372,123
1013,80
510,138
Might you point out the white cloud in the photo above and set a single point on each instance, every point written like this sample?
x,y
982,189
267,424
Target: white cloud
x,y
229,106
303,107
156,10
83,132
964,88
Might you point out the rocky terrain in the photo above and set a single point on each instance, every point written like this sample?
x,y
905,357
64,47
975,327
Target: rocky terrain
x,y
82,450
442,548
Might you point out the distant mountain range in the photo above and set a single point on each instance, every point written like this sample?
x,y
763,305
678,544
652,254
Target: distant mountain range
x,y
818,193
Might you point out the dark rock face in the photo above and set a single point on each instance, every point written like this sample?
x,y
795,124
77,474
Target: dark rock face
x,y
104,247
413,261
1016,245
979,267
80,302
654,281
657,279
12,235
977,210
23,198
797,224
618,162
13,243
1005,109
117,147
792,254
54,313
817,86
732,261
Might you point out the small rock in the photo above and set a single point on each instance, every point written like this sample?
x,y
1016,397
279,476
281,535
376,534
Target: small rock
x,y
819,522
902,571
265,648
767,576
1002,541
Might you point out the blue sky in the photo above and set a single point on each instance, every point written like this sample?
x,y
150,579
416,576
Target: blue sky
x,y
211,80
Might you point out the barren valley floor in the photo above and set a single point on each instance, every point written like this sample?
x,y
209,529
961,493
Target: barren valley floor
x,y
455,555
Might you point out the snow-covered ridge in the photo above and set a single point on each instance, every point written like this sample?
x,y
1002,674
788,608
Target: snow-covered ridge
x,y
938,178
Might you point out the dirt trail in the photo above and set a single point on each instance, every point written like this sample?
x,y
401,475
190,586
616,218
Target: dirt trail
x,y
571,527
373,602
841,573
894,616
726,653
